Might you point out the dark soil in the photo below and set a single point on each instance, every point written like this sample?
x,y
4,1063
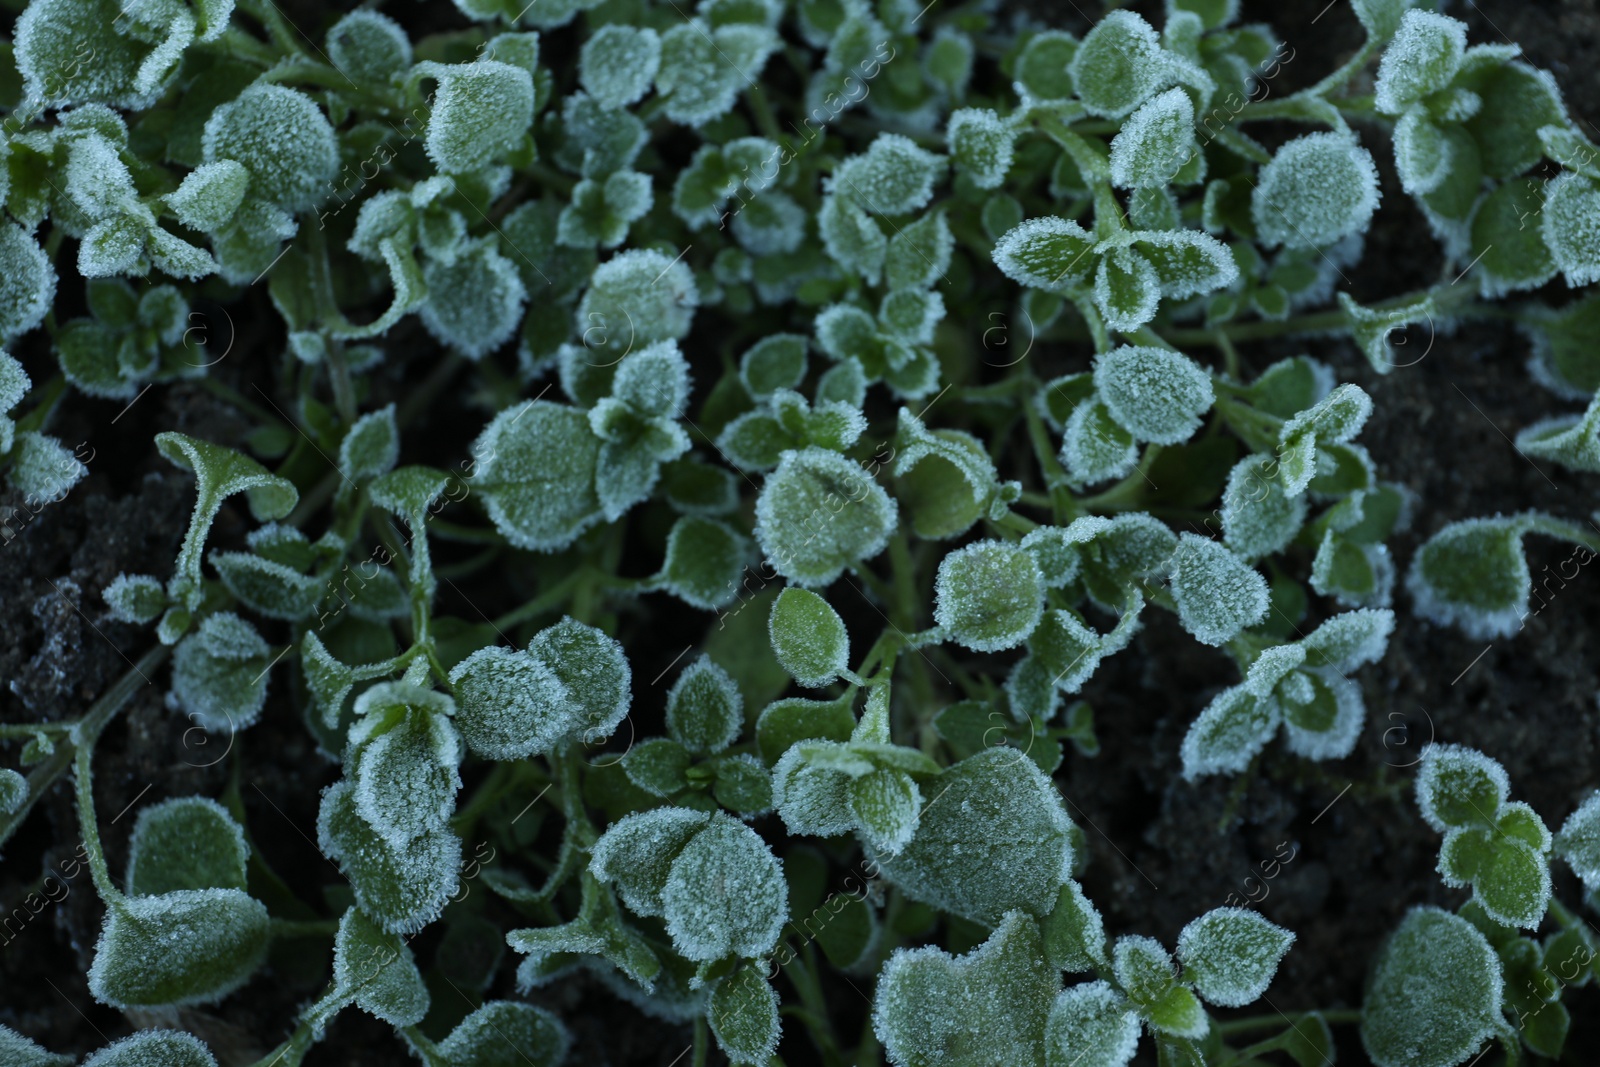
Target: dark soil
x,y
1161,851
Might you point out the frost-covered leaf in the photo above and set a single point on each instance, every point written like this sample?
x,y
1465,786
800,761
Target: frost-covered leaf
x,y
1091,1025
1150,979
147,1048
1074,934
594,670
704,709
1258,517
282,138
820,513
808,637
13,794
636,298
1217,593
997,840
536,470
852,237
185,843
704,559
1095,447
919,253
1568,225
402,756
1154,142
507,1033
601,212
1156,394
43,469
20,1052
1472,575
209,195
777,361
636,853
982,144
481,111
704,68
1459,787
219,673
657,765
1421,59
989,596
1578,841
811,798
1229,732
1118,65
724,894
1127,289
1333,420
369,46
375,970
135,598
189,946
510,704
1350,640
743,1013
1231,955
885,804
618,63
371,447
892,177
403,890
988,1006
1435,996
1319,188
474,302
27,282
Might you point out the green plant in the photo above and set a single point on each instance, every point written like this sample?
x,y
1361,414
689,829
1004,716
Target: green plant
x,y
755,295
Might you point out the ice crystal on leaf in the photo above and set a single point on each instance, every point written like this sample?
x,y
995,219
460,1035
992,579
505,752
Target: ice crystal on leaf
x,y
374,970
1091,1025
536,468
1231,954
1154,142
1421,59
506,1033
188,946
402,755
808,637
1118,65
1435,996
982,144
1155,394
1318,188
209,195
1472,575
185,843
1578,841
474,301
986,1007
20,1052
704,68
219,673
618,64
1217,593
705,712
892,177
27,282
1569,227
1259,518
369,46
403,890
147,1048
636,298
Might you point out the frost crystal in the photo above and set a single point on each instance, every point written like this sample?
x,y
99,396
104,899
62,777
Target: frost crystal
x,y
986,1007
369,46
1318,188
1217,593
481,111
474,302
618,63
1156,394
1258,517
892,177
997,840
536,467
1154,142
376,971
1422,58
282,138
27,282
636,298
1578,842
820,513
989,596
1231,955
1435,996
808,637
190,946
219,673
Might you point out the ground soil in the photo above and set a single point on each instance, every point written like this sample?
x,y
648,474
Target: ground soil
x,y
1161,851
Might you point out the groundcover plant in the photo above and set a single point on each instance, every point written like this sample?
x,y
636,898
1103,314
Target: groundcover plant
x,y
691,510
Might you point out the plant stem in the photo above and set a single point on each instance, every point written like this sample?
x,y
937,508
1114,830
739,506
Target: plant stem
x,y
89,830
546,601
42,777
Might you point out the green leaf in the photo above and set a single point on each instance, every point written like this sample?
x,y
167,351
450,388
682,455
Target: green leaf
x,y
1259,518
704,560
1091,1025
1127,289
209,195
536,470
1460,787
189,946
705,712
479,113
1154,142
1156,394
27,281
1074,935
1578,841
1095,447
743,1013
505,1033
374,969
989,596
1231,954
988,1006
820,513
853,239
146,1048
1217,593
20,1052
724,894
282,138
998,840
892,177
1435,995
1570,440
219,673
618,63
1570,203
1118,65
982,144
185,843
401,889
808,637
1319,188
657,765
777,361
1147,975
1422,59
1049,253
1232,729
369,46
1472,575
785,723
1042,68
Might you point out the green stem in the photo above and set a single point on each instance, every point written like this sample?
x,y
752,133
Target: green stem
x,y
1129,492
702,1042
42,777
89,830
546,601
